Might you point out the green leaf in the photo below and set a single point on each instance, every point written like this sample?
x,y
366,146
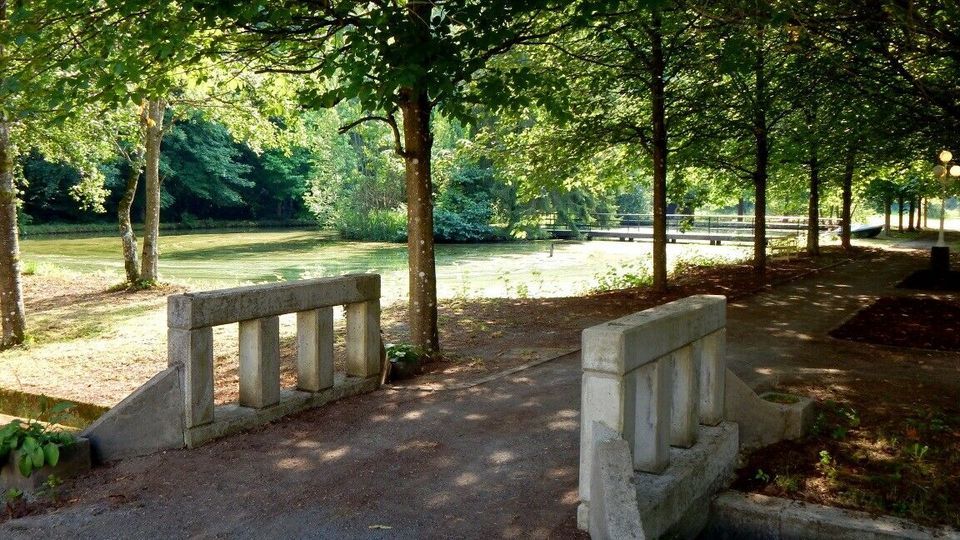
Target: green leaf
x,y
37,457
61,407
52,454
29,444
25,465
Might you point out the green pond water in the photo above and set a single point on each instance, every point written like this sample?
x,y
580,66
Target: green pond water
x,y
212,259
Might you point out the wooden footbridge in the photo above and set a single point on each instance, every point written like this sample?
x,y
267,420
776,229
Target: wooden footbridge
x,y
681,227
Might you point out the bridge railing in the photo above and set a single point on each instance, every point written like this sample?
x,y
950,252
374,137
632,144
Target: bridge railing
x,y
654,377
192,316
689,223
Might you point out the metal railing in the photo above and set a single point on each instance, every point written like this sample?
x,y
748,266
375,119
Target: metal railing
x,y
686,223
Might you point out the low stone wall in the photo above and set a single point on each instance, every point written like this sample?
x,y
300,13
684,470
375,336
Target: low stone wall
x,y
663,420
653,378
176,407
750,516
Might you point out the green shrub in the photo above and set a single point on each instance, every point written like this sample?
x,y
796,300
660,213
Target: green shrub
x,y
39,444
466,221
374,226
404,358
625,276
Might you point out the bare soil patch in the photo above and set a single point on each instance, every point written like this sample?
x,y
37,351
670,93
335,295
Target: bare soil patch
x,y
886,439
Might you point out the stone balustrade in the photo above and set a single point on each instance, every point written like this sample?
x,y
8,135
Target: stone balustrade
x,y
192,316
654,377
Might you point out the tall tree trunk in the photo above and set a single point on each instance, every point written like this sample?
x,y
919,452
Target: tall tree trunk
x,y
887,203
926,212
813,209
153,137
847,196
659,126
11,288
761,138
741,207
913,207
916,202
13,319
128,239
900,213
418,141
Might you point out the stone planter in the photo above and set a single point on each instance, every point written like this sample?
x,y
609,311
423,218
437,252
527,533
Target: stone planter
x,y
797,412
74,460
403,370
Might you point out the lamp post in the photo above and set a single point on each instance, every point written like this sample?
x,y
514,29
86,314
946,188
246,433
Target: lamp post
x,y
940,253
943,172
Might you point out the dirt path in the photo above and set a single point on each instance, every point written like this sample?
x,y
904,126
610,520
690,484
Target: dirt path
x,y
496,460
780,338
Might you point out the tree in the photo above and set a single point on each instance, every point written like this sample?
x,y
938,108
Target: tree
x,y
629,73
401,61
44,105
756,88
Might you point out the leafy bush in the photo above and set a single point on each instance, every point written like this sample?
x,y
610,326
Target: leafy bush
x,y
467,221
625,276
38,443
403,353
373,226
404,358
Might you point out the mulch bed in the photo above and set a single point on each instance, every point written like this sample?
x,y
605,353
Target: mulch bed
x,y
923,323
903,464
928,280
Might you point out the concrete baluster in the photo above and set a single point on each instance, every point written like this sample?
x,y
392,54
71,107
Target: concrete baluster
x,y
260,362
193,349
363,339
713,371
315,349
646,415
685,412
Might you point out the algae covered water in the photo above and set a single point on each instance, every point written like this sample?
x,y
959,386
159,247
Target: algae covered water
x,y
211,259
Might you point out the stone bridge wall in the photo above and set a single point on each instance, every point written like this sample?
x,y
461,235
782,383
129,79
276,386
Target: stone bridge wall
x,y
176,407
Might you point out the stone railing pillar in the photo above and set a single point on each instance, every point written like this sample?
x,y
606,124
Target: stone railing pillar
x,y
192,316
260,362
315,349
713,371
363,339
652,377
193,351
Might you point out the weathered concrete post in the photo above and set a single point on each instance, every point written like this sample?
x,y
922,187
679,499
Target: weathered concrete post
x,y
260,362
646,416
315,349
629,367
713,374
685,413
363,339
192,351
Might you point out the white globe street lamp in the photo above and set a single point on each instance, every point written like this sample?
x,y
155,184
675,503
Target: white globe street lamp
x,y
943,172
